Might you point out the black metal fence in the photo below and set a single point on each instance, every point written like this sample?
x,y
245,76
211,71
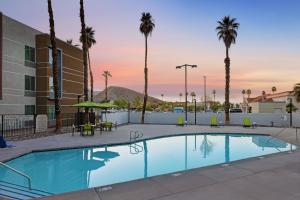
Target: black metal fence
x,y
17,125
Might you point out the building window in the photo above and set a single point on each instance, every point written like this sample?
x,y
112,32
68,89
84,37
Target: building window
x,y
59,66
29,56
51,112
29,109
29,86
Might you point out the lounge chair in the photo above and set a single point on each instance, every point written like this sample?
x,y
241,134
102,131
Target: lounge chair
x,y
87,129
108,126
247,122
214,121
180,121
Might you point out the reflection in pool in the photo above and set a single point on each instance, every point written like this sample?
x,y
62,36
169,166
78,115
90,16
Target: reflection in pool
x,y
74,169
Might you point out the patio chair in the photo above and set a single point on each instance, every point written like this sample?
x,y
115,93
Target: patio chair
x,y
247,122
180,121
87,130
214,121
108,126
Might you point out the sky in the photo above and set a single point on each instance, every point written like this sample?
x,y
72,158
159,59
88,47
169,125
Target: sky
x,y
265,54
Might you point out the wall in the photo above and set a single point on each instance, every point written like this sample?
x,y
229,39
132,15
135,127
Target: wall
x,y
15,36
264,119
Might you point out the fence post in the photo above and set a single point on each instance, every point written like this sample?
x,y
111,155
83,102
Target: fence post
x,y
34,121
2,126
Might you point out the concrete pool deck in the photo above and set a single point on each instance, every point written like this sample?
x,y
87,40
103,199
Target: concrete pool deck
x,y
275,176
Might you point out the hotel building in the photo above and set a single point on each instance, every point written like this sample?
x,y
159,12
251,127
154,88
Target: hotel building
x,y
26,83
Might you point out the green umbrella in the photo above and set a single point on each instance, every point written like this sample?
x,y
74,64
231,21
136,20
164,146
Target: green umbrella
x,y
87,104
106,105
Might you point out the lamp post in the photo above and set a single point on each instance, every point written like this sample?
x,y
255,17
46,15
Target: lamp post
x,y
195,101
185,66
291,111
204,79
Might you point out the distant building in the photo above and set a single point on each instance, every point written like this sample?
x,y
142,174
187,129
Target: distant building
x,y
26,85
269,103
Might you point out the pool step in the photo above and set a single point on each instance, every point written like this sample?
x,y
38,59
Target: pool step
x,y
17,192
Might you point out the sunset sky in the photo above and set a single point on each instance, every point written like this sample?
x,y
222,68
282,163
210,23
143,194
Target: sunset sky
x,y
267,52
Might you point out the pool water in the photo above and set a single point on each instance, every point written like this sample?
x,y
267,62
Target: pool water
x,y
74,169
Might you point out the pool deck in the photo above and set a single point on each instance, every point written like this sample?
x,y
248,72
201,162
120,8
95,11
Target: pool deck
x,y
273,177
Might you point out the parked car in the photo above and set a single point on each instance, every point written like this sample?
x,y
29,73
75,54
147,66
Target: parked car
x,y
235,110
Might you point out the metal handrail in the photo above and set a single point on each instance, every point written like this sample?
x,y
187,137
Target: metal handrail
x,y
18,172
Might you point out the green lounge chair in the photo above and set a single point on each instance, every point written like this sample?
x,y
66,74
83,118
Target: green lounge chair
x,y
180,121
247,122
214,121
108,126
88,130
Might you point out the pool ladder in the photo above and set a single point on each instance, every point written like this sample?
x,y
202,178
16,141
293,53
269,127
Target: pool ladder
x,y
18,172
135,148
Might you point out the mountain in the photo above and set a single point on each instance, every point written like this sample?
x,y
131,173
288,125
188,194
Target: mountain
x,y
115,92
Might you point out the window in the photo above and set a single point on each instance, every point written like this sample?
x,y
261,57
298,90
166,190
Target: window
x,y
29,85
29,109
29,56
59,66
51,112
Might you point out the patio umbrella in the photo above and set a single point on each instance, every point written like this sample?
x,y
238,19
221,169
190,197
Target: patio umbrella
x,y
87,104
105,106
105,155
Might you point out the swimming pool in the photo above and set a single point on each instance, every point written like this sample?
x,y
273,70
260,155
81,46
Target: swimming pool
x,y
69,170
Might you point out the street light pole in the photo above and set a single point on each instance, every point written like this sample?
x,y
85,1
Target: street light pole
x,y
185,75
204,78
291,112
195,101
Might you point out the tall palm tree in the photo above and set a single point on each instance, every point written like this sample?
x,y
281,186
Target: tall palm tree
x,y
227,31
162,97
90,41
106,74
297,92
180,95
146,27
54,68
243,92
84,54
274,89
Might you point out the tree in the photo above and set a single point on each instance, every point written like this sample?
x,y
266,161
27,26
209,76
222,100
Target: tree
x,y
146,27
216,106
84,56
297,92
290,106
214,94
248,93
193,95
106,74
70,42
274,89
227,31
121,103
90,41
54,68
162,97
137,102
180,95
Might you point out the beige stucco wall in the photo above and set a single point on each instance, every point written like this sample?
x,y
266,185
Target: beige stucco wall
x,y
268,107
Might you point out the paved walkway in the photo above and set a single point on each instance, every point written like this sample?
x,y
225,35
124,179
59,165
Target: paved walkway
x,y
273,177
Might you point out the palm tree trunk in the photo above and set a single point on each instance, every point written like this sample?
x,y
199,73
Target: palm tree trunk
x,y
91,76
146,82
227,78
84,56
54,68
106,77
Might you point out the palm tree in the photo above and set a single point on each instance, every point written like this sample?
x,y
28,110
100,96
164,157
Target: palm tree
x,y
90,41
180,95
227,31
243,92
193,95
162,97
248,93
106,74
297,92
54,68
214,94
84,53
70,42
274,89
146,27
